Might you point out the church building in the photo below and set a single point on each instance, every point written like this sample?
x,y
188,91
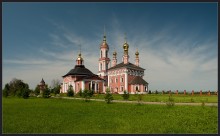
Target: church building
x,y
124,76
121,77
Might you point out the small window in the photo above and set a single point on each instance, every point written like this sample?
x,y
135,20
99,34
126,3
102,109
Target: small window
x,y
122,79
116,80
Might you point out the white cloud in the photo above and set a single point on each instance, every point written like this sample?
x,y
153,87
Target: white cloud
x,y
171,62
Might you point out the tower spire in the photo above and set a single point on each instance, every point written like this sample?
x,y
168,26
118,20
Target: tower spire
x,y
104,39
125,38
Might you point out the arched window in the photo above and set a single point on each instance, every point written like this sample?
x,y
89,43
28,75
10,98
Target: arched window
x,y
101,53
106,54
100,66
106,66
122,79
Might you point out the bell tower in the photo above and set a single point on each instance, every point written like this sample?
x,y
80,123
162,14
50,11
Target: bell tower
x,y
125,56
104,60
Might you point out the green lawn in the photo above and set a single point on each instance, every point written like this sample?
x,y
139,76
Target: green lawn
x,y
164,98
38,115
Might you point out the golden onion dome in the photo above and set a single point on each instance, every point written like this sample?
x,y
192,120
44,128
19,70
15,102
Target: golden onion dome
x,y
137,53
114,53
79,57
125,46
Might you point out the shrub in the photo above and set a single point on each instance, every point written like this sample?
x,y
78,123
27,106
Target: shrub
x,y
192,100
125,95
91,92
46,93
80,93
156,92
86,94
149,92
108,96
70,92
170,101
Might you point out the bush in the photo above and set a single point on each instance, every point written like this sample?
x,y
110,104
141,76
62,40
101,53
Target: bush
x,y
70,92
170,101
80,93
125,95
46,93
108,96
91,92
149,92
156,92
86,94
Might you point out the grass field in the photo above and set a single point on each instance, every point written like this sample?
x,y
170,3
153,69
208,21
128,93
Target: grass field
x,y
164,98
38,115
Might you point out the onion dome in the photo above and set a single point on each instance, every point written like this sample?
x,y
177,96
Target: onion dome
x,y
104,43
137,53
79,57
125,46
114,53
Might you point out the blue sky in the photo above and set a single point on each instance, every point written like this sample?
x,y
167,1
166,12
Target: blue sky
x,y
177,41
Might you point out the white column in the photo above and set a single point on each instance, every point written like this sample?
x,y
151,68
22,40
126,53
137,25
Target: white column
x,y
63,87
126,80
108,80
95,87
74,87
83,85
91,85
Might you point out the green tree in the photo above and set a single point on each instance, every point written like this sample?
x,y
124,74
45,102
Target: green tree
x,y
55,86
17,87
70,92
125,95
6,90
37,90
25,93
108,96
46,92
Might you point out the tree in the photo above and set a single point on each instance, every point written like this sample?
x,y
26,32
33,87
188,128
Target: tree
x,y
25,93
70,92
125,95
108,96
37,90
46,92
17,87
55,86
6,90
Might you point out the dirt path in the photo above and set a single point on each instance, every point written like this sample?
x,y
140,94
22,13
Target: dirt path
x,y
158,103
